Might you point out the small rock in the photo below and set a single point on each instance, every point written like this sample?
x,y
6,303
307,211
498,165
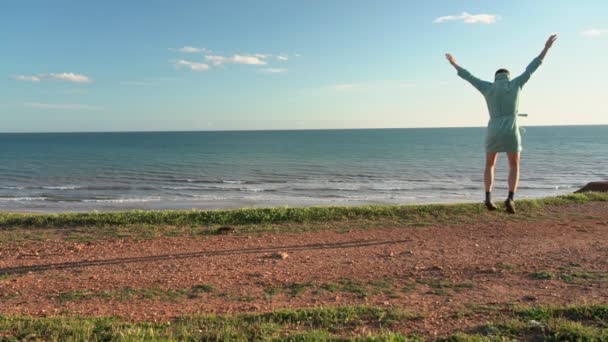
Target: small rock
x,y
434,268
279,255
225,230
529,298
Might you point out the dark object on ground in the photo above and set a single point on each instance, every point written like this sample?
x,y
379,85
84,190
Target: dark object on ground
x,y
225,230
510,204
595,187
490,206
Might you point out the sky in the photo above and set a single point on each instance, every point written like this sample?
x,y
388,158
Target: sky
x,y
72,65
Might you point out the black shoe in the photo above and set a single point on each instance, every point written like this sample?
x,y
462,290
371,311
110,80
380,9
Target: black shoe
x,y
490,206
510,205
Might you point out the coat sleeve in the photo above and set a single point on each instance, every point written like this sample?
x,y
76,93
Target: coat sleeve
x,y
530,69
480,85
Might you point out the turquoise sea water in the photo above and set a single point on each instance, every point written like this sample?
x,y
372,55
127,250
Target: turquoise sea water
x,y
168,170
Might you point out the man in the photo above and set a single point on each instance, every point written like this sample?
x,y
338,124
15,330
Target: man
x,y
502,135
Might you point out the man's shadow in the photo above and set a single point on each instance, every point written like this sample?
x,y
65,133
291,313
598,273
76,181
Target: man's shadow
x,y
161,257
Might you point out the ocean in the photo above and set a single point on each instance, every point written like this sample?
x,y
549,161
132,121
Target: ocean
x,y
60,172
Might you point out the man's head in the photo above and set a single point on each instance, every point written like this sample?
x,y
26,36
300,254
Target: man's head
x,y
501,71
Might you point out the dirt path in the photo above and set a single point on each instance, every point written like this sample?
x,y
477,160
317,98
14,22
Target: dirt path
x,y
441,272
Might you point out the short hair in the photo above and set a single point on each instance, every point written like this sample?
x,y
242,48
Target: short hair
x,y
501,71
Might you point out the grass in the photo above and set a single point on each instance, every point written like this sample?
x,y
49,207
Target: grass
x,y
442,287
298,288
569,323
429,214
292,325
129,293
584,277
542,275
573,274
350,323
355,287
505,266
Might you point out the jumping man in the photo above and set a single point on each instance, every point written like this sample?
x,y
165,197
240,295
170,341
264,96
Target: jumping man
x,y
502,135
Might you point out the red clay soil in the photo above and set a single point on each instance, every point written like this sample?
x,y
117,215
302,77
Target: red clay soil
x,y
435,271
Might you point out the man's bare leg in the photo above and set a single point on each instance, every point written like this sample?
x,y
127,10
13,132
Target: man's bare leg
x,y
514,158
488,178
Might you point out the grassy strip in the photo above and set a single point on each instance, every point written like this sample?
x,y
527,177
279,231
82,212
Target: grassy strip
x,y
273,215
360,323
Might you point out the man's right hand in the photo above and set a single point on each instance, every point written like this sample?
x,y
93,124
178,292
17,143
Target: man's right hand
x,y
550,41
451,59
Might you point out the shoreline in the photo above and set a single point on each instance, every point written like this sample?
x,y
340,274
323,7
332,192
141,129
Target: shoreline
x,y
167,204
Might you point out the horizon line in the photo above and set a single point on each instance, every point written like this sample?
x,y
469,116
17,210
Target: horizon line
x,y
278,130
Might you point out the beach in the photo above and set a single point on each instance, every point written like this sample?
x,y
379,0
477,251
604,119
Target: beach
x,y
371,272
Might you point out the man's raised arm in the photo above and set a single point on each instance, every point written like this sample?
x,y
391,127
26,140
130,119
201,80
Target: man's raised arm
x,y
480,85
548,45
536,62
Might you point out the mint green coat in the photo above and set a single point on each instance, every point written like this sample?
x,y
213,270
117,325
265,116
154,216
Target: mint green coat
x,y
502,98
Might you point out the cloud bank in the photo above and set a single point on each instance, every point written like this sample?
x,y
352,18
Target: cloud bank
x,y
469,18
257,59
59,106
218,60
595,32
190,49
65,77
194,66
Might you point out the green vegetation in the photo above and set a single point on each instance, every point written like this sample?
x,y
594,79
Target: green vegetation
x,y
443,287
354,286
584,277
298,288
359,323
129,293
292,325
573,274
542,275
570,323
505,266
262,216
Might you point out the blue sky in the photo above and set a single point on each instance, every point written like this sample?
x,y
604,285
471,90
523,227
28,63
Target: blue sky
x,y
215,65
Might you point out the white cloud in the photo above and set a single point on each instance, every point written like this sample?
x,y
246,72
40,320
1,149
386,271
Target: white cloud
x,y
283,58
69,77
59,106
273,70
190,49
27,78
65,76
594,32
194,66
469,18
257,59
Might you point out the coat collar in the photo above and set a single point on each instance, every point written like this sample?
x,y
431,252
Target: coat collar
x,y
502,76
